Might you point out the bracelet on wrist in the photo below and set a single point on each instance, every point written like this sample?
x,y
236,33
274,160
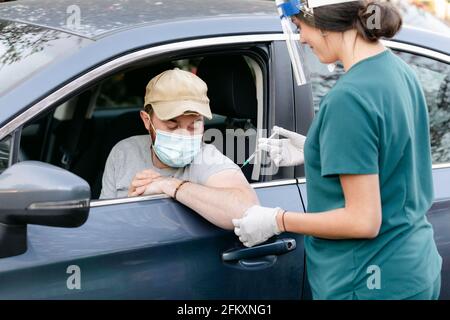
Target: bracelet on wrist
x,y
178,188
282,220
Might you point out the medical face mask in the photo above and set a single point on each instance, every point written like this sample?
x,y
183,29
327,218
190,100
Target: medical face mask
x,y
176,150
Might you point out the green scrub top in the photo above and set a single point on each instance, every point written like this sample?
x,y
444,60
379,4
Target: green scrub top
x,y
373,121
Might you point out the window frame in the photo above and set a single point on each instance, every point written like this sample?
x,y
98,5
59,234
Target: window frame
x,y
85,80
14,147
7,141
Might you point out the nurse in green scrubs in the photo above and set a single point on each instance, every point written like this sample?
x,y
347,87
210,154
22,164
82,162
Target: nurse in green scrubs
x,y
367,163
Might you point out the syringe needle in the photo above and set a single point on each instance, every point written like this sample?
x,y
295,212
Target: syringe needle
x,y
254,153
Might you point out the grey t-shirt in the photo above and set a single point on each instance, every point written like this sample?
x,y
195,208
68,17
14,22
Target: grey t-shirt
x,y
132,155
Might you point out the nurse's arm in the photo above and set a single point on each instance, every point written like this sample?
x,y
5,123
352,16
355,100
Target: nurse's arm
x,y
360,218
226,195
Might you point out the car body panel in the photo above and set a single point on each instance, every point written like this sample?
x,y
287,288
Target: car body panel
x,y
156,249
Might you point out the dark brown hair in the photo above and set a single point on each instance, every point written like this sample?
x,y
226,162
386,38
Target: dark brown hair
x,y
148,108
357,15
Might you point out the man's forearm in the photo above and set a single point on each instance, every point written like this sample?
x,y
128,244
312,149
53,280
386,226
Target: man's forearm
x,y
217,205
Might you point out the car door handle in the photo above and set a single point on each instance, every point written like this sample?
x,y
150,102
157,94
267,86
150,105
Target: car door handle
x,y
278,247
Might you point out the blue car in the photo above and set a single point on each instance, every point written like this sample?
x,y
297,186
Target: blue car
x,y
72,82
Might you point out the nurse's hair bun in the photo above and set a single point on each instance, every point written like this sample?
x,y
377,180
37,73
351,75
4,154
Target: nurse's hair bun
x,y
378,20
372,19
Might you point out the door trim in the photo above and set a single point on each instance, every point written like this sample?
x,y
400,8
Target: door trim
x,y
110,202
416,49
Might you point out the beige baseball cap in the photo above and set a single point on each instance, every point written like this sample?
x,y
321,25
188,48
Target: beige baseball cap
x,y
177,92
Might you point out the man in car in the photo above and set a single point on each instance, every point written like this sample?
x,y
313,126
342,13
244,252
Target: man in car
x,y
173,159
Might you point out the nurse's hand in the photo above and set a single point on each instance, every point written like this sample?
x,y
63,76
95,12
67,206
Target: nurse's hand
x,y
284,152
257,225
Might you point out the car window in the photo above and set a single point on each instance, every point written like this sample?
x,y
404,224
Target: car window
x,y
322,80
115,95
126,90
5,146
124,94
79,134
434,77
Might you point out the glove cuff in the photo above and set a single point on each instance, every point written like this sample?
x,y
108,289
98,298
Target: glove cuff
x,y
276,229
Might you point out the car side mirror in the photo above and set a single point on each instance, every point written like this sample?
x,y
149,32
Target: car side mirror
x,y
37,193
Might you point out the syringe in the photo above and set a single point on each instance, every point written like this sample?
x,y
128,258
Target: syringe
x,y
254,153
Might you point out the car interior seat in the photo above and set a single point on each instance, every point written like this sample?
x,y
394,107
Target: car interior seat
x,y
232,94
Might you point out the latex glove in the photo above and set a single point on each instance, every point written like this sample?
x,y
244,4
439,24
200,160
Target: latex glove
x,y
257,225
284,152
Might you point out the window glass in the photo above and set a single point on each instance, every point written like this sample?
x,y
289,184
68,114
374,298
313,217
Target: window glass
x,y
5,146
79,134
434,77
126,90
115,95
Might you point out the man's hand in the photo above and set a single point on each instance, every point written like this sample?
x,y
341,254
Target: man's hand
x,y
257,225
140,182
162,185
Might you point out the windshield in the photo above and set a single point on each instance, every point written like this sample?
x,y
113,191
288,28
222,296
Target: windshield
x,y
26,49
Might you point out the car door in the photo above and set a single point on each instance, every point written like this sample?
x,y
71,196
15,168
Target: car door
x,y
433,70
155,248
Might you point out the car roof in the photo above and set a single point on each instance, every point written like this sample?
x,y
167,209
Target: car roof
x,y
101,17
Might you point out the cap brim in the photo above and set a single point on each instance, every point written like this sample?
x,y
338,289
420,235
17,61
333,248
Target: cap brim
x,y
171,109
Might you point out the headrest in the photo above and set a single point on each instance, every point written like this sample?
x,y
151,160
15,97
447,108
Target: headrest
x,y
231,86
137,80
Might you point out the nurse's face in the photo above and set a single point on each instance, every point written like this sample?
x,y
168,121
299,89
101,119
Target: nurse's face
x,y
323,44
